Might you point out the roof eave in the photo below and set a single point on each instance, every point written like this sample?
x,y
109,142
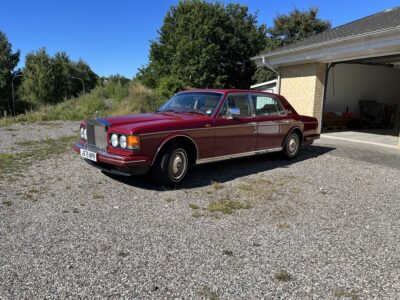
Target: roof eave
x,y
269,57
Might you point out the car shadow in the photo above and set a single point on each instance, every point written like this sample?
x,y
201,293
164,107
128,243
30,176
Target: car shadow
x,y
204,175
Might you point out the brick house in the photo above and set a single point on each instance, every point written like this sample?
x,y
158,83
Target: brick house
x,y
350,70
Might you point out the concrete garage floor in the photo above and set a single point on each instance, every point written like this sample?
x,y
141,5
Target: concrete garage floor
x,y
379,137
362,148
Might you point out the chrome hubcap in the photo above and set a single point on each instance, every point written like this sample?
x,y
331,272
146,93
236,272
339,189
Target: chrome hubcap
x,y
178,164
292,147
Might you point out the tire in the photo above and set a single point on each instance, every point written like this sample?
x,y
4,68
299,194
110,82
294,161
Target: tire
x,y
171,166
292,146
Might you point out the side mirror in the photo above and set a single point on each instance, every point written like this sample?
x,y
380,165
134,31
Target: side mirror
x,y
234,112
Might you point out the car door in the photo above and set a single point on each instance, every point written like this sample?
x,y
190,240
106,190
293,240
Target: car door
x,y
271,119
237,133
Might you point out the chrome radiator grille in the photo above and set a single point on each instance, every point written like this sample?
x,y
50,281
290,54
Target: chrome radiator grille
x,y
90,134
96,135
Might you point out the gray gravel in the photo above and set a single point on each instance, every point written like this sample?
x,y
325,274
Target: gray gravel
x,y
34,132
329,221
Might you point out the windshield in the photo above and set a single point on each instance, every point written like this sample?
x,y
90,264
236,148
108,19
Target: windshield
x,y
204,103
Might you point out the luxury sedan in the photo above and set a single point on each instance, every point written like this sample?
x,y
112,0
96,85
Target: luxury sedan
x,y
195,127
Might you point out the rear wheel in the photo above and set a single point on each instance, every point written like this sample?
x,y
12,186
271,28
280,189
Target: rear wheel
x,y
172,165
292,146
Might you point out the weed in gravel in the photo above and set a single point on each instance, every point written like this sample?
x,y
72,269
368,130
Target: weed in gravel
x,y
245,187
283,276
97,196
226,206
10,129
295,191
283,226
343,293
228,252
7,203
33,151
194,206
196,214
123,253
207,293
217,185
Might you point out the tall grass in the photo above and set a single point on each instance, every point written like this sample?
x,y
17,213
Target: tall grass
x,y
111,99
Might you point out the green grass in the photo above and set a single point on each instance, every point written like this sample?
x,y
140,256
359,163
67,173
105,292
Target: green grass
x,y
283,276
342,293
97,196
108,100
194,206
217,185
226,206
207,293
228,252
7,203
33,151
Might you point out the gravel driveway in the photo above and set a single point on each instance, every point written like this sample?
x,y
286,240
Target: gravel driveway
x,y
325,226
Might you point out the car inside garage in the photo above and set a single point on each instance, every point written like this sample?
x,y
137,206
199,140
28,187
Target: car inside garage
x,y
362,99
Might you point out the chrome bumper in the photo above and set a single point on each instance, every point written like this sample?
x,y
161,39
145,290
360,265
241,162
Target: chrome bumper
x,y
113,159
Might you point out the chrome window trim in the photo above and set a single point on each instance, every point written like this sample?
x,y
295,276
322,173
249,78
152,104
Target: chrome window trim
x,y
237,155
273,97
237,93
194,91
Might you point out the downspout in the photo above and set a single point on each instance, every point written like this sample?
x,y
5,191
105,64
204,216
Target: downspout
x,y
278,83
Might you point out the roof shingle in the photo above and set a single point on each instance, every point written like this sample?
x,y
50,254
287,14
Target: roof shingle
x,y
381,21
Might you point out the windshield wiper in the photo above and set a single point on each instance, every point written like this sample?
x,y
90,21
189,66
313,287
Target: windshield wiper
x,y
197,112
167,110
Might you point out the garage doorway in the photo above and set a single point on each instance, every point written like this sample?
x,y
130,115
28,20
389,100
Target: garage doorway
x,y
362,100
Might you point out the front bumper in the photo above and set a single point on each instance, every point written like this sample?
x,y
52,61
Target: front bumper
x,y
129,164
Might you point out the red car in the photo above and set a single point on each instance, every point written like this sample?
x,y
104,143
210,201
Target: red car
x,y
195,127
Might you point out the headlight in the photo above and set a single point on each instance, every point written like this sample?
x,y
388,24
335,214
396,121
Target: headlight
x,y
131,142
122,141
114,140
82,135
85,133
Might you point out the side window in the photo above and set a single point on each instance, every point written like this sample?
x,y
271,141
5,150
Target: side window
x,y
265,105
237,101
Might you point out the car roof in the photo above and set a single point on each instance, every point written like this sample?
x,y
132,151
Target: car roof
x,y
225,91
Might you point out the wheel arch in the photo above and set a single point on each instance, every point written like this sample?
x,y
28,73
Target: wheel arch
x,y
294,129
190,145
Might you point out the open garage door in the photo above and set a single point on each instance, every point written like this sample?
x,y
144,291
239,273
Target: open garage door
x,y
362,100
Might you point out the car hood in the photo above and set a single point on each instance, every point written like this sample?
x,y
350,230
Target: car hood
x,y
145,123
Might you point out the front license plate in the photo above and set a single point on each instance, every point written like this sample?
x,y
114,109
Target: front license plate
x,y
89,155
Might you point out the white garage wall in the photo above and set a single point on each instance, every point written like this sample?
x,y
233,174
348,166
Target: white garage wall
x,y
355,82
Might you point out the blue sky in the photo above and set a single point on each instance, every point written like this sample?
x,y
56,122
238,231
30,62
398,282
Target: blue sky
x,y
113,36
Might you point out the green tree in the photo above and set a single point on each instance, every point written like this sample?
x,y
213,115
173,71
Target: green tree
x,y
50,79
287,29
83,71
205,45
38,85
8,63
62,70
169,86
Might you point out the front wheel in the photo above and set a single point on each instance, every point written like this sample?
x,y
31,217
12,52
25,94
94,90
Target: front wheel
x,y
292,146
171,168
